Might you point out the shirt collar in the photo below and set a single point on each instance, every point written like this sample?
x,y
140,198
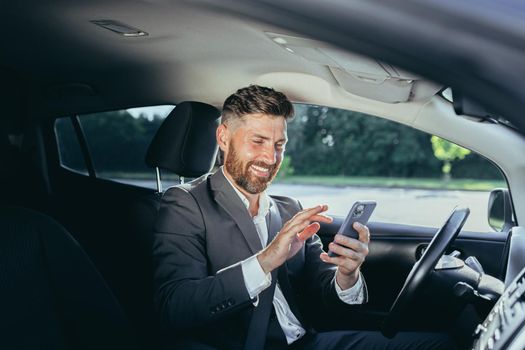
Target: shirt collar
x,y
264,200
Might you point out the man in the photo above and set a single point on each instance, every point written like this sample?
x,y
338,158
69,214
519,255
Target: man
x,y
231,261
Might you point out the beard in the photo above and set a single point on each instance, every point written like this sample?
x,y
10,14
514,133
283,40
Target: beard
x,y
242,175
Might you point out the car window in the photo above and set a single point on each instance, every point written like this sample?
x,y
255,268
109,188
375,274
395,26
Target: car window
x,y
117,143
333,156
337,156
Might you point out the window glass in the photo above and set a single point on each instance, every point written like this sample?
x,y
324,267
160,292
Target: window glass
x,y
118,141
337,156
69,149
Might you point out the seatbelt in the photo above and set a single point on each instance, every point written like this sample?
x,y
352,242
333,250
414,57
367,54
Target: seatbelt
x,y
256,335
286,288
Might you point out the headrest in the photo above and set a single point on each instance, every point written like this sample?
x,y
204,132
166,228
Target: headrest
x,y
185,142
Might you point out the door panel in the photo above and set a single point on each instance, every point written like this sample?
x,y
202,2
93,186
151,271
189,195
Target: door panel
x,y
113,222
393,251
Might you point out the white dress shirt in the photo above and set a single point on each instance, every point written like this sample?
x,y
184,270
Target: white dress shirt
x,y
256,280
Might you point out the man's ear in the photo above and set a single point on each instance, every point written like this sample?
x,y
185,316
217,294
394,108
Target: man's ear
x,y
223,136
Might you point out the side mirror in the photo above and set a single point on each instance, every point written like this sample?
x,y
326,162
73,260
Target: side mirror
x,y
500,210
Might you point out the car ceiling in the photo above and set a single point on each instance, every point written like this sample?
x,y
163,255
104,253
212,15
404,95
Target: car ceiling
x,y
59,62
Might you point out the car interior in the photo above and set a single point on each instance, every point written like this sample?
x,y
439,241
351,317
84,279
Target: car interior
x,y
75,251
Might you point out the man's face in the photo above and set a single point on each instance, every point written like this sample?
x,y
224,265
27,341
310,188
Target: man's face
x,y
253,151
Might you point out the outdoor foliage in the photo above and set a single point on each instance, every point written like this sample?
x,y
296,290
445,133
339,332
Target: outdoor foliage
x,y
447,152
328,141
322,141
118,141
286,168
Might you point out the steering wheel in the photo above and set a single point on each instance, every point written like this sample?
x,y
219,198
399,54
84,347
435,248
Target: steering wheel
x,y
422,269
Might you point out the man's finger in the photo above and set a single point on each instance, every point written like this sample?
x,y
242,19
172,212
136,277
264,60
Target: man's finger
x,y
340,261
364,233
296,228
322,218
349,242
345,252
309,231
336,260
306,213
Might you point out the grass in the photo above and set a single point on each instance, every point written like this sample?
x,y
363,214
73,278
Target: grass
x,y
392,182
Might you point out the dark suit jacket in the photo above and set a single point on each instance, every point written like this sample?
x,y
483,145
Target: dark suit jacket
x,y
202,234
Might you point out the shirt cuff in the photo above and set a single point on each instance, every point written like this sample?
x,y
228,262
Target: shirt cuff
x,y
255,279
352,295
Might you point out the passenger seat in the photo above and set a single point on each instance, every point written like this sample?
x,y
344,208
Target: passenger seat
x,y
184,145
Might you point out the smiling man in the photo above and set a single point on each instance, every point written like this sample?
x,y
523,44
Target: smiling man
x,y
231,260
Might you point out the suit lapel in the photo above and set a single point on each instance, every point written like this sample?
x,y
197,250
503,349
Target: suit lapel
x,y
226,197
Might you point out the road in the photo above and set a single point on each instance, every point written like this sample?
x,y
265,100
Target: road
x,y
404,206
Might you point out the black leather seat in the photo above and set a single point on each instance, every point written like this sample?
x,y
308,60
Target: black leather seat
x,y
185,145
21,181
185,142
52,297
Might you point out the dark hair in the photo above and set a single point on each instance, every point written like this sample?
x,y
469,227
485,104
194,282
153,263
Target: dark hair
x,y
256,99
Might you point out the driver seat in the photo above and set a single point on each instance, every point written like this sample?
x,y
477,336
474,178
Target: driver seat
x,y
52,297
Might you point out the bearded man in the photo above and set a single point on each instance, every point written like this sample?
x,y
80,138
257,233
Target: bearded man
x,y
231,261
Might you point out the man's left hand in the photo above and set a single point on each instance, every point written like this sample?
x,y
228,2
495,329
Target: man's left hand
x,y
352,253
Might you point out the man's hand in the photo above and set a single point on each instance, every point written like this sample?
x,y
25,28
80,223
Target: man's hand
x,y
291,238
352,254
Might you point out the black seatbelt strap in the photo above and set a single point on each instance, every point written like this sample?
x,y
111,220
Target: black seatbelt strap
x,y
286,288
256,335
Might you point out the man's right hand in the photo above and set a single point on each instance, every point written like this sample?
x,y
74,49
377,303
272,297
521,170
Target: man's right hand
x,y
292,236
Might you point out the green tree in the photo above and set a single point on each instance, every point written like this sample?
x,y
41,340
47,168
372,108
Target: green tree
x,y
447,152
330,141
118,141
286,168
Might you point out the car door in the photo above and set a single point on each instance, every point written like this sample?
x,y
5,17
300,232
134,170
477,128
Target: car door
x,y
105,195
393,251
337,157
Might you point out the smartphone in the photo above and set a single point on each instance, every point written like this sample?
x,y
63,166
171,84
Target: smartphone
x,y
360,212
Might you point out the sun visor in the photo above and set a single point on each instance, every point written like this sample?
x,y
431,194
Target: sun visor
x,y
360,75
384,88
